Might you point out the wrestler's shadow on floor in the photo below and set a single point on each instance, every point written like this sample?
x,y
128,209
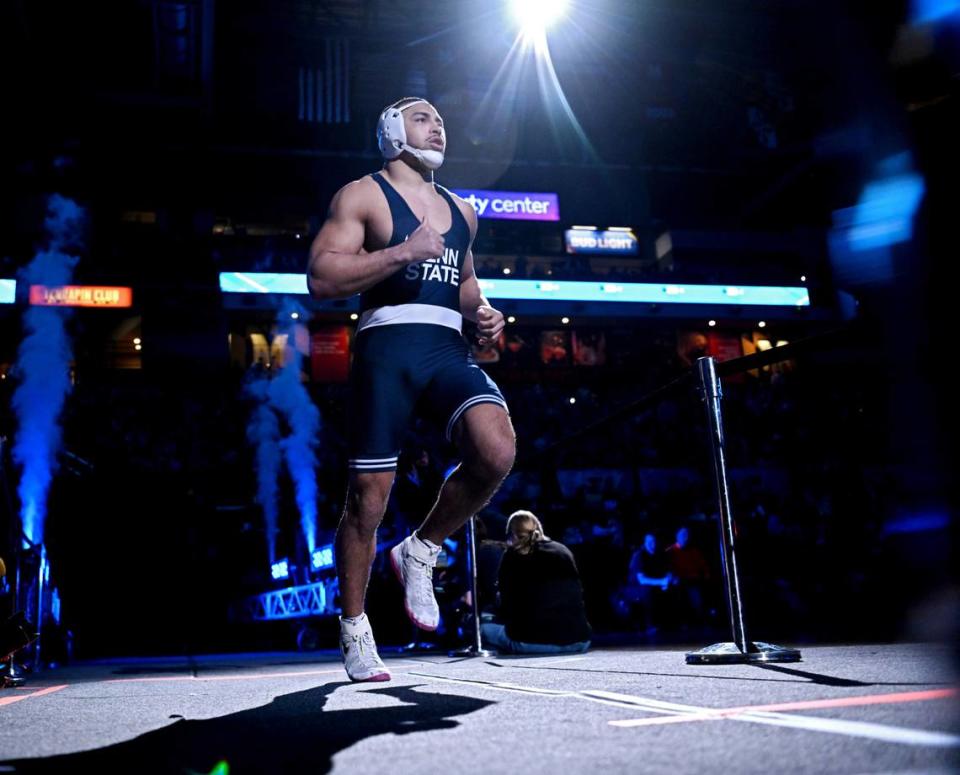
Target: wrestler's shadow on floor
x,y
293,734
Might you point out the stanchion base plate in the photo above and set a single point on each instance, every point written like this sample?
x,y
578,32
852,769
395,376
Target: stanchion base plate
x,y
472,651
729,654
12,676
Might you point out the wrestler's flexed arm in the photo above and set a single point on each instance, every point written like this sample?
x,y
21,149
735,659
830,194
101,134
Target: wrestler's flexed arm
x,y
338,266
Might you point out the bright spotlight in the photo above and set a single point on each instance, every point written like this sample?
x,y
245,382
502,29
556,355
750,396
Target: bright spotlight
x,y
535,16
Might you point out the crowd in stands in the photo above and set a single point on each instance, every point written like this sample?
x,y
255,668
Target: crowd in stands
x,y
809,484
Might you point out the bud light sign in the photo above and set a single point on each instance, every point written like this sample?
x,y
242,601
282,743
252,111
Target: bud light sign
x,y
512,205
612,243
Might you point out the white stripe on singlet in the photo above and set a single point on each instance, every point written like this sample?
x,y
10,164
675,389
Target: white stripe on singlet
x,y
485,398
410,313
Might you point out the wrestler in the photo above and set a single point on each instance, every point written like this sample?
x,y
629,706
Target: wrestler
x,y
403,243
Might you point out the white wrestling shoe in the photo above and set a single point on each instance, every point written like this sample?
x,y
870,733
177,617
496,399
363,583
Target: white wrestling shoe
x,y
413,562
359,651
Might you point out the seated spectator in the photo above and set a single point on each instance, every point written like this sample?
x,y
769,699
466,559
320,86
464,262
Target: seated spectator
x,y
541,597
648,578
687,564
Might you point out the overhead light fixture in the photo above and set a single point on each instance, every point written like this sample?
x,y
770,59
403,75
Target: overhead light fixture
x,y
535,16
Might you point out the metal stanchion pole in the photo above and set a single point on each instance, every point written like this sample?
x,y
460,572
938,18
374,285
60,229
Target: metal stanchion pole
x,y
41,587
741,649
17,633
476,649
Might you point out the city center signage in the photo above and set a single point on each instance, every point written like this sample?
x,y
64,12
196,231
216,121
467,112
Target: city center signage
x,y
512,205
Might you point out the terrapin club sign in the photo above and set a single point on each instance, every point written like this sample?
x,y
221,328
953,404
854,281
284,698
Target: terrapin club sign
x,y
80,296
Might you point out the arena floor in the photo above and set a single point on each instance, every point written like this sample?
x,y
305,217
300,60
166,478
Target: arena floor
x,y
850,709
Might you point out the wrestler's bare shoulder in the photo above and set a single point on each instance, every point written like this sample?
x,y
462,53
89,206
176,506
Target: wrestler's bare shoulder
x,y
356,195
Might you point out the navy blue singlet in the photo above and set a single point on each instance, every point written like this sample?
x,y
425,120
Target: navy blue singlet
x,y
409,354
434,282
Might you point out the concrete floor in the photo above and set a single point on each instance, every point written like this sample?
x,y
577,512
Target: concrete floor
x,y
849,709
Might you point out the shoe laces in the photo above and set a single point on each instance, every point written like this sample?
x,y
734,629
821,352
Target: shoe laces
x,y
424,578
366,646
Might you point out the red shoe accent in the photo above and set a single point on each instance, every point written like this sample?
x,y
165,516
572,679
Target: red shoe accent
x,y
373,679
410,616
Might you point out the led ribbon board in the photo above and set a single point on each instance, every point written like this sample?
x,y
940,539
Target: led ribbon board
x,y
542,290
650,293
8,291
263,282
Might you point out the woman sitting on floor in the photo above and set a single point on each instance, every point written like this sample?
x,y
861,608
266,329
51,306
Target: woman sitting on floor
x,y
541,597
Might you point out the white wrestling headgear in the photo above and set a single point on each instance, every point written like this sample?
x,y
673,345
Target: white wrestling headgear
x,y
392,136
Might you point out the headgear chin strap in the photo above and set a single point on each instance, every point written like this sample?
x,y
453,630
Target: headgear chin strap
x,y
392,138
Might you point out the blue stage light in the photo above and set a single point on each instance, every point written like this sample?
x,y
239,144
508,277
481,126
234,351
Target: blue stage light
x,y
280,569
323,557
862,235
925,11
